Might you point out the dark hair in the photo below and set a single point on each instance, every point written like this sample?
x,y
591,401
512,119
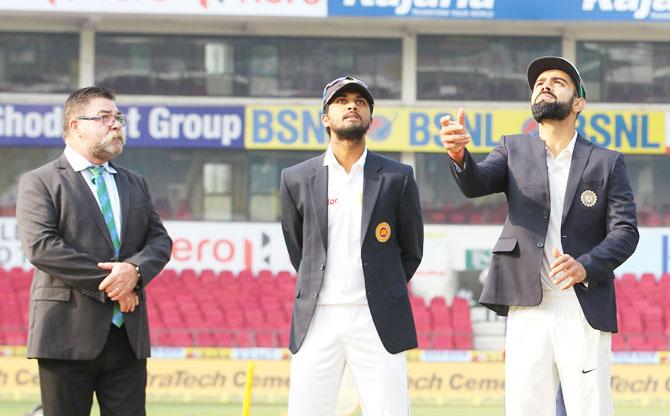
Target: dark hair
x,y
79,99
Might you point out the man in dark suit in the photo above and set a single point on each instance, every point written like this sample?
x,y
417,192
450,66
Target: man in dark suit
x,y
570,222
353,228
95,239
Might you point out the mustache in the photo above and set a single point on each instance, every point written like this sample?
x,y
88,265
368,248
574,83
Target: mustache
x,y
546,92
114,135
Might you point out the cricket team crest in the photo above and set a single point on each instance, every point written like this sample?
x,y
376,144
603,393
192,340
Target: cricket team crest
x,y
589,198
383,232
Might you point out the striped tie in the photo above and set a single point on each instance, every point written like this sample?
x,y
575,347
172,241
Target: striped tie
x,y
108,214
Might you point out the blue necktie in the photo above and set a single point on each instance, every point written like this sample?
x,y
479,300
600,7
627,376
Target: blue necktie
x,y
108,215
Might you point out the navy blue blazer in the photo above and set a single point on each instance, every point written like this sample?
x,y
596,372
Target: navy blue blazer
x,y
600,237
390,195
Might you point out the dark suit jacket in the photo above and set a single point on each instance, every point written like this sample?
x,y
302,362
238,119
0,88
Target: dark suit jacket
x,y
600,237
390,195
64,236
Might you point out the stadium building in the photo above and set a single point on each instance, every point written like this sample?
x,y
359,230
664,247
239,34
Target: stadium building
x,y
221,95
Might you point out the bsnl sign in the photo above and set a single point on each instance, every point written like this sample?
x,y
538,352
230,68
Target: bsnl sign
x,y
418,130
629,132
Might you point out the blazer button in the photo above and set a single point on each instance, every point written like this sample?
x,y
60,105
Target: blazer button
x,y
365,263
322,267
539,245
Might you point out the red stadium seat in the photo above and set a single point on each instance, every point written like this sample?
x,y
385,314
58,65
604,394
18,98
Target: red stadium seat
x,y
628,279
266,339
245,339
443,342
619,343
224,338
463,341
425,341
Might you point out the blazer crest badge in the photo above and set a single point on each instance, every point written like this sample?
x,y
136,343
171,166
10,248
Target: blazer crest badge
x,y
589,198
383,232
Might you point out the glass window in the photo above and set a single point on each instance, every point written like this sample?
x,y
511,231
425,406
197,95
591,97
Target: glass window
x,y
182,180
649,179
625,71
478,67
39,62
442,200
193,184
217,182
15,161
264,171
244,66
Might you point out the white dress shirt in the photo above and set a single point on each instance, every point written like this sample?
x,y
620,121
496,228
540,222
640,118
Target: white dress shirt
x,y
558,169
80,164
343,282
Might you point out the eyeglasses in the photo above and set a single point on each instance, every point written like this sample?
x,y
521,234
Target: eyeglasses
x,y
107,119
340,79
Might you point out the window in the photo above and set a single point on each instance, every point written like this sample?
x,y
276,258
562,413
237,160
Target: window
x,y
264,173
625,71
478,67
443,202
217,184
194,184
39,62
244,66
649,179
15,161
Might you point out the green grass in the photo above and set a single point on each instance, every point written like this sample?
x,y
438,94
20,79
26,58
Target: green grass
x,y
21,408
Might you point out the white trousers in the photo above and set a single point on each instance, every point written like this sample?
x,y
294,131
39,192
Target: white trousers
x,y
553,342
342,335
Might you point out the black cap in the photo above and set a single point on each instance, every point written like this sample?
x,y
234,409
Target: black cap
x,y
546,63
335,86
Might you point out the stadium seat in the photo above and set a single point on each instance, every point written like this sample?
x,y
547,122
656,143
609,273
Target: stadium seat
x,y
628,279
443,342
425,341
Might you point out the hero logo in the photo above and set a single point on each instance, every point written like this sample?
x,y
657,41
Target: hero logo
x,y
641,8
403,7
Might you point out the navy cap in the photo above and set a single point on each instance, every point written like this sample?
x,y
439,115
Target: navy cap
x,y
335,86
546,63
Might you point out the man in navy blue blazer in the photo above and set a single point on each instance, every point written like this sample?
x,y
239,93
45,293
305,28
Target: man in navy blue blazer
x,y
570,222
352,224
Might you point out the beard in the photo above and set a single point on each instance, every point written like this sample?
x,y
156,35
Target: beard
x,y
551,111
353,132
108,149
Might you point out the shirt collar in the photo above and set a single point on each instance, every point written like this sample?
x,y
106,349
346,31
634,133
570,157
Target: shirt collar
x,y
569,149
79,162
330,160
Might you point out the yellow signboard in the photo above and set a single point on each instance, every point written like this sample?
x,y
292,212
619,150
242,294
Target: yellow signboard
x,y
400,129
430,383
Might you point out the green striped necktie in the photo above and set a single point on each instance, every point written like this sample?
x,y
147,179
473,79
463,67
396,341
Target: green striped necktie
x,y
108,214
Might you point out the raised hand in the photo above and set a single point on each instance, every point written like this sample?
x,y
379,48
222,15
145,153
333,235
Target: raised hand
x,y
454,135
